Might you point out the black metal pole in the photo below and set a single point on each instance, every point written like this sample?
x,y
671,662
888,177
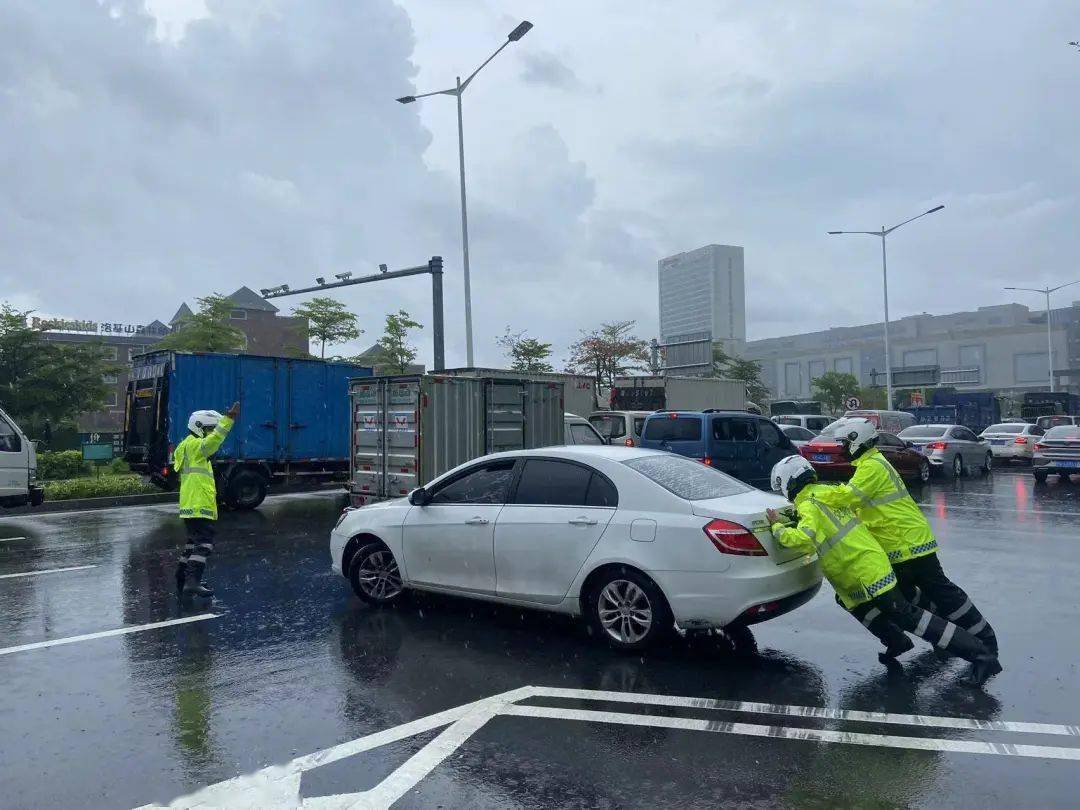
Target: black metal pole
x,y
437,333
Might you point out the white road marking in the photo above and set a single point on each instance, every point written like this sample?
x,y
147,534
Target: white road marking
x,y
789,733
7,539
823,713
991,509
120,631
279,785
47,571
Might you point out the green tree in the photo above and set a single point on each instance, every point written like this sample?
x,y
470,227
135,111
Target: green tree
x,y
609,352
834,387
872,398
208,330
328,322
395,354
526,354
42,381
747,372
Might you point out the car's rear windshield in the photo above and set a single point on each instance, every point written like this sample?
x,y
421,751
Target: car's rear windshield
x,y
610,425
1047,422
1005,428
789,420
674,429
923,432
1063,432
687,479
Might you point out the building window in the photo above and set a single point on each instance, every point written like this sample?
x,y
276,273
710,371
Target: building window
x,y
792,379
109,379
1031,367
843,365
817,369
920,357
238,314
110,399
109,352
971,357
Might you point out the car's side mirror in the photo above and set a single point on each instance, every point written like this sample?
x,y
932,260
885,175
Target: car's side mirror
x,y
419,497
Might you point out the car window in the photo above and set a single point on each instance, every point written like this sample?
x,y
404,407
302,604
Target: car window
x,y
889,440
611,425
1005,427
965,435
923,432
788,420
487,484
1035,430
673,428
10,441
798,434
769,433
601,492
739,430
817,422
687,479
583,434
639,425
1069,432
555,483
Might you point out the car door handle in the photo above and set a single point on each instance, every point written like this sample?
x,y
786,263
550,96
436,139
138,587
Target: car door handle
x,y
476,521
581,521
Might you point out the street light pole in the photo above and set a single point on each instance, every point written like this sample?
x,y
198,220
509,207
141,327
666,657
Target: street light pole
x,y
458,91
885,284
1049,334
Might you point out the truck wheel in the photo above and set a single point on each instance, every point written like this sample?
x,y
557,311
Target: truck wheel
x,y
246,490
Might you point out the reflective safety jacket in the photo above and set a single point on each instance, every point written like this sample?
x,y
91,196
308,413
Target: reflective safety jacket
x,y
191,458
851,559
879,497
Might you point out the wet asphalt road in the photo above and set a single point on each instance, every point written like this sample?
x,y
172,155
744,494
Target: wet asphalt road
x,y
293,664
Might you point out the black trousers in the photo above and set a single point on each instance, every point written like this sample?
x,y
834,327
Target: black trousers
x,y
924,583
890,615
199,546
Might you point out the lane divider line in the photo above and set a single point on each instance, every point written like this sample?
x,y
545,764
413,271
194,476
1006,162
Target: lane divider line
x,y
47,571
818,712
991,509
789,733
120,631
8,539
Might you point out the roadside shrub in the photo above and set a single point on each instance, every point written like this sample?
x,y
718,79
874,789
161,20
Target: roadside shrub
x,y
117,467
106,486
60,464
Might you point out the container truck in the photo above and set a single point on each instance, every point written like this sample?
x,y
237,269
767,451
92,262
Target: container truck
x,y
293,425
677,394
408,430
18,467
975,416
1049,403
579,390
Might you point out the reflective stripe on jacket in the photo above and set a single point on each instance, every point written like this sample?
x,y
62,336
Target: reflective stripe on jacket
x,y
851,559
879,497
191,458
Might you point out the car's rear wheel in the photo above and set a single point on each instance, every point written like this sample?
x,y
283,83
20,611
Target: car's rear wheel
x,y
627,610
957,466
924,471
374,575
1040,476
987,465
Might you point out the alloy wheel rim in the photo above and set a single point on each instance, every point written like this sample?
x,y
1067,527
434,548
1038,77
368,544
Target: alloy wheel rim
x,y
379,576
625,611
958,466
924,472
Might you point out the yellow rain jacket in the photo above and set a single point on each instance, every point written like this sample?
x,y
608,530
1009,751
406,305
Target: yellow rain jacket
x,y
879,497
850,558
191,458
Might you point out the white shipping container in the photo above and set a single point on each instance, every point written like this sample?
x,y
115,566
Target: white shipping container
x,y
579,390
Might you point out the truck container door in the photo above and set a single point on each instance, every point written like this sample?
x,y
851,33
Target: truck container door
x,y
260,421
401,439
367,438
307,398
544,423
505,416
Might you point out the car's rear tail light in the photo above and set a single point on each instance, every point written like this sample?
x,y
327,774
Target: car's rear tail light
x,y
938,446
1021,440
628,442
731,538
763,609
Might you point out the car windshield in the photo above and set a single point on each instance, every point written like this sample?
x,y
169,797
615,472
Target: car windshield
x,y
1005,428
924,432
687,479
1067,432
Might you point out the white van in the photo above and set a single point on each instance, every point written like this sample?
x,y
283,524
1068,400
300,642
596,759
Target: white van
x,y
18,467
579,431
620,427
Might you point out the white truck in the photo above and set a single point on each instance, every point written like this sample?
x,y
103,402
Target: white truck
x,y
677,394
18,467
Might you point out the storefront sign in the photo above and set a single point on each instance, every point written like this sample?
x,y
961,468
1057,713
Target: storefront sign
x,y
96,328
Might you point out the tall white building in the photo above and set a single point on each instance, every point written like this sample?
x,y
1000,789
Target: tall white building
x,y
703,296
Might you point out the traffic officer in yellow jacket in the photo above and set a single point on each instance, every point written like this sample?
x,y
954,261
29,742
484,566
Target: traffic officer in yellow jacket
x,y
198,494
859,570
879,497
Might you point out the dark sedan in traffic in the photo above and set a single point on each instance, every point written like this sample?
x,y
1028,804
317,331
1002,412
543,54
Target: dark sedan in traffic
x,y
827,457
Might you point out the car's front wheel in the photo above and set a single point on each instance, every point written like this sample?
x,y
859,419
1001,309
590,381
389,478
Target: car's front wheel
x,y
374,575
626,609
924,472
987,465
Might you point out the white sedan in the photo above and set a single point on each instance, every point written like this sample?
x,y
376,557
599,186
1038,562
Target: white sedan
x,y
636,541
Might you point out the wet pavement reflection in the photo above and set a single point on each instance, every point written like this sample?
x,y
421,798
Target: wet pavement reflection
x,y
293,664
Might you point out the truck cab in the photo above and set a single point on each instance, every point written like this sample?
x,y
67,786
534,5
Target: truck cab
x,y
18,467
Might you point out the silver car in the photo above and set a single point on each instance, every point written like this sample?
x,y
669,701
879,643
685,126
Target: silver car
x,y
799,436
1058,452
951,449
1012,440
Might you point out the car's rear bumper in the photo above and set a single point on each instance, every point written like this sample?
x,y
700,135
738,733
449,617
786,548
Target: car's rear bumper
x,y
753,592
1010,451
1054,465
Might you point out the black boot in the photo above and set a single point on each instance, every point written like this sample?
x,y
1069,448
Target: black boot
x,y
897,647
193,582
181,575
983,669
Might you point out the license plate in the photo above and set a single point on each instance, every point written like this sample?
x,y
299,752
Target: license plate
x,y
821,457
997,442
1067,464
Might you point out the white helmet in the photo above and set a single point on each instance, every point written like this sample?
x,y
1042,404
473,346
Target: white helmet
x,y
202,422
788,470
856,434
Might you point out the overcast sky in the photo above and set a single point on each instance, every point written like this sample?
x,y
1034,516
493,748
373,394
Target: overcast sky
x,y
150,156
